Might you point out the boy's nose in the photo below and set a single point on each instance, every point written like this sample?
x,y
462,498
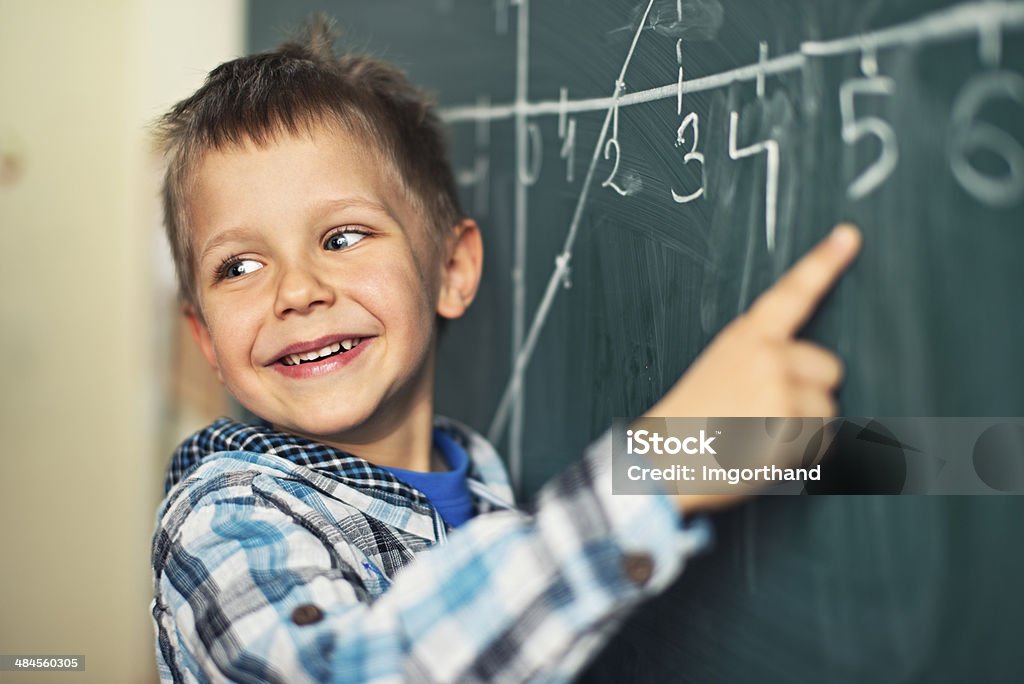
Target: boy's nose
x,y
299,290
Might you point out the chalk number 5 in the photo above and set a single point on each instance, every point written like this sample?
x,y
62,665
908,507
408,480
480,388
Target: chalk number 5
x,y
853,129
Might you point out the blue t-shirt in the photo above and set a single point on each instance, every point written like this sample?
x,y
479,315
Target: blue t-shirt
x,y
447,491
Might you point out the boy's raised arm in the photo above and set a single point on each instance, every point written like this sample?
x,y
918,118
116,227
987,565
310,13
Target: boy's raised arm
x,y
756,366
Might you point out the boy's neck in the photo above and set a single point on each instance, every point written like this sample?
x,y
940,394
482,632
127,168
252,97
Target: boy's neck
x,y
408,445
401,439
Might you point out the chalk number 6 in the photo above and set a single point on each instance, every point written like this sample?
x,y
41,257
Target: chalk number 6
x,y
968,135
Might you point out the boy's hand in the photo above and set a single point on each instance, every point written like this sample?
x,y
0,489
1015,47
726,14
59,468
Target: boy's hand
x,y
756,366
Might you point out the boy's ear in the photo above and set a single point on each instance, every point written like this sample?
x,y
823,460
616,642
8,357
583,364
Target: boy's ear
x,y
201,334
460,273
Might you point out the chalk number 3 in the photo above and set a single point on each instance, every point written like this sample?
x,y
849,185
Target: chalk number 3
x,y
693,155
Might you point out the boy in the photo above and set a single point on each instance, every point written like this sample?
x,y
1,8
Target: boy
x,y
318,239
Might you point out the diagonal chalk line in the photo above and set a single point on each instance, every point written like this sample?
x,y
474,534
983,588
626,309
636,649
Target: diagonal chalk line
x,y
514,386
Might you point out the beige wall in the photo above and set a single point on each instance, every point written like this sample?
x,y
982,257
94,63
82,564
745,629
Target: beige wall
x,y
84,305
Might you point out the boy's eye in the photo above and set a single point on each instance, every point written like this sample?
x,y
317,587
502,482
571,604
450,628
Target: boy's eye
x,y
234,268
342,239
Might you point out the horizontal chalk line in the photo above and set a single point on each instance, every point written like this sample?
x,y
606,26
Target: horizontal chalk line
x,y
961,20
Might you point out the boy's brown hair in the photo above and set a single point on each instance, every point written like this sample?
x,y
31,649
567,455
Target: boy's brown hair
x,y
294,89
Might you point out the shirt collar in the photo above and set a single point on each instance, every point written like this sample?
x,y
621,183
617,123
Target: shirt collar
x,y
226,434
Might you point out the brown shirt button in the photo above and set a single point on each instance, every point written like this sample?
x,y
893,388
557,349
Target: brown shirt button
x,y
638,568
307,614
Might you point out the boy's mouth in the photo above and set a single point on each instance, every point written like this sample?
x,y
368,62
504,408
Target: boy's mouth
x,y
329,350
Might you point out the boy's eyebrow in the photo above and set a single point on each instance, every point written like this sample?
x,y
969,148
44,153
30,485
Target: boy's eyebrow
x,y
221,238
321,209
337,204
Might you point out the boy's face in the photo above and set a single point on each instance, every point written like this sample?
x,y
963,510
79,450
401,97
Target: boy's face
x,y
305,247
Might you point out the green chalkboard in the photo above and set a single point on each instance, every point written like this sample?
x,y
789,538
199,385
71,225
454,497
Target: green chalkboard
x,y
641,171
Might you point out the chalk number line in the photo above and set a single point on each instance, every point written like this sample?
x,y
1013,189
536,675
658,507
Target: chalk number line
x,y
973,18
968,19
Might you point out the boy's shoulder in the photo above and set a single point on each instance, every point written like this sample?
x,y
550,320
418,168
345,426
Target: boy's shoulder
x,y
232,479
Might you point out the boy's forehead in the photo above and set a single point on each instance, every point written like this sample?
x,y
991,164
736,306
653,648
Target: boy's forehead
x,y
324,161
316,145
314,167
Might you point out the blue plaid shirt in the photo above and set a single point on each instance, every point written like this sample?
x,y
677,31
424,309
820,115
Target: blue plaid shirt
x,y
277,559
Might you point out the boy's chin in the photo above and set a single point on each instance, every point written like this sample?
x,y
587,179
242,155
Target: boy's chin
x,y
350,428
322,431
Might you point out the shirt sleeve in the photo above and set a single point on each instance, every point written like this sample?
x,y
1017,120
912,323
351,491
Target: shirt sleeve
x,y
247,590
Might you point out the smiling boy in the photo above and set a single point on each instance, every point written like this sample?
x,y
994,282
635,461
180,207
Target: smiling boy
x,y
351,534
318,285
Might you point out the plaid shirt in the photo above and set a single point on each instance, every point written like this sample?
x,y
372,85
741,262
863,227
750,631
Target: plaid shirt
x,y
277,559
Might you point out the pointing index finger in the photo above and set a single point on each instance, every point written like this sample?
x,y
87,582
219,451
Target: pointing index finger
x,y
783,309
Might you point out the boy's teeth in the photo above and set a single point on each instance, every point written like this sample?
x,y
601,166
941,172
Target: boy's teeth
x,y
296,359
